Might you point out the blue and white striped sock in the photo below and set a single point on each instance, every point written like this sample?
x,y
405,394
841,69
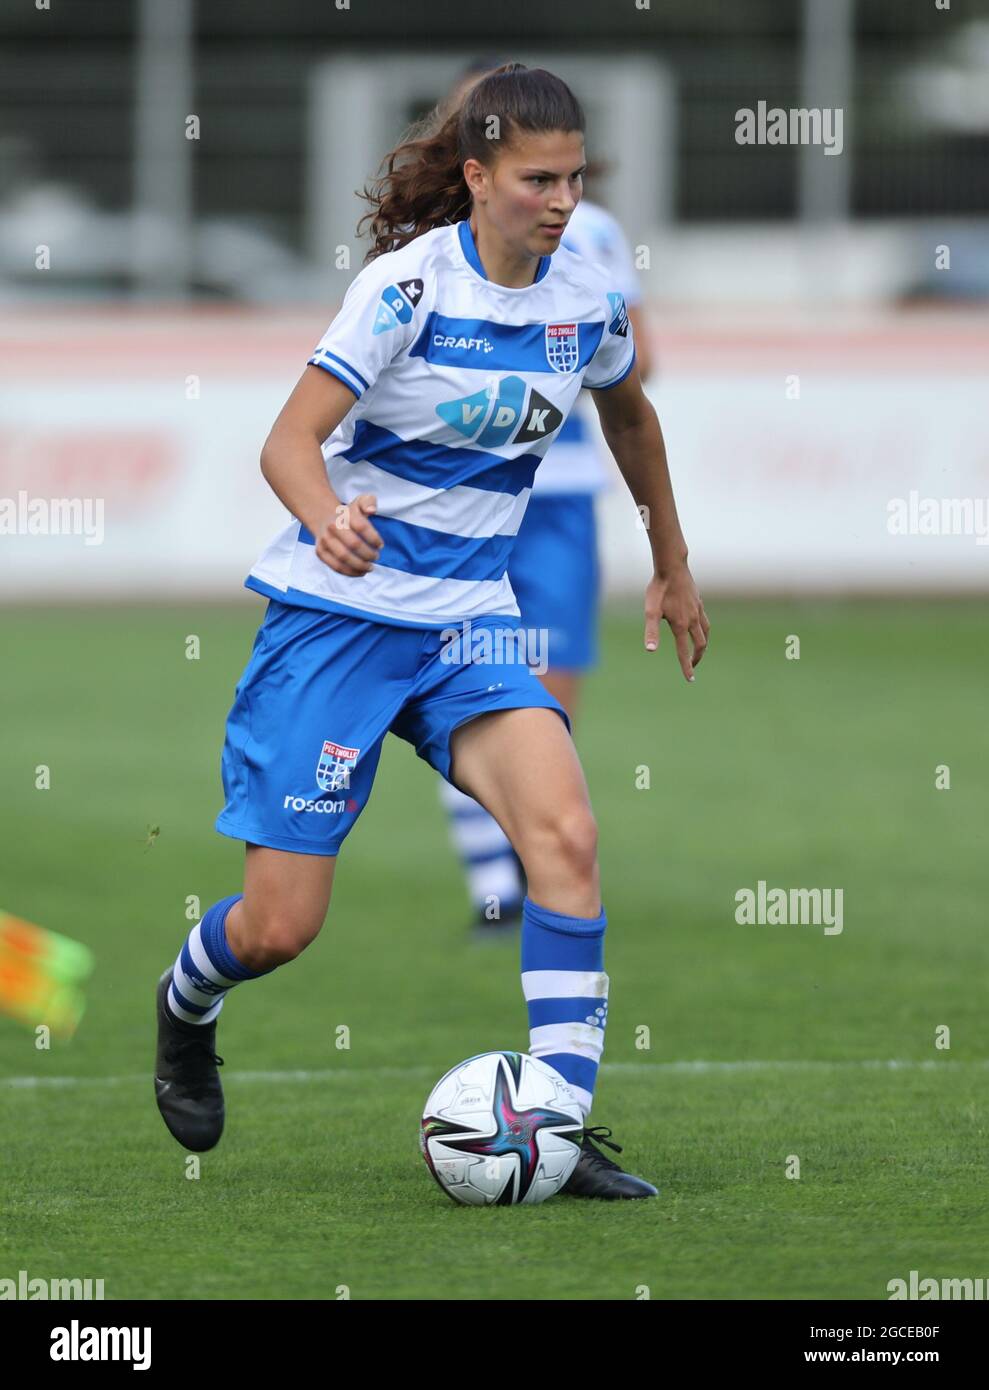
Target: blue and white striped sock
x,y
484,849
566,991
206,968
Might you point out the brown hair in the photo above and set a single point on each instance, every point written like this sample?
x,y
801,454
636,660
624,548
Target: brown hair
x,y
423,183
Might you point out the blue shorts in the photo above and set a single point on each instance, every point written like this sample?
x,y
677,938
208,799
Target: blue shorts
x,y
319,694
555,574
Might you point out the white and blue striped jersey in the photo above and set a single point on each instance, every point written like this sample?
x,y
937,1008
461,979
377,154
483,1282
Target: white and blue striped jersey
x,y
461,385
574,462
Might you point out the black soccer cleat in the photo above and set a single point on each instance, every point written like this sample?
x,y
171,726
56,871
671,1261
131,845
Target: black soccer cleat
x,y
598,1176
187,1082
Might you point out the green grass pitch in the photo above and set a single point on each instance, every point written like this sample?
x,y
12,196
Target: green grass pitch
x,y
817,772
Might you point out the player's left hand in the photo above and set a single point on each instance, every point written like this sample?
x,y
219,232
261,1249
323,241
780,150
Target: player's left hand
x,y
673,595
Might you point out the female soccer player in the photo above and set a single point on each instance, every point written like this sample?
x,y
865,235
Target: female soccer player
x,y
457,355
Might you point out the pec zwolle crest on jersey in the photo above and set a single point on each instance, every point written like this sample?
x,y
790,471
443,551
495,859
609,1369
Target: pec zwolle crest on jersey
x,y
561,346
335,765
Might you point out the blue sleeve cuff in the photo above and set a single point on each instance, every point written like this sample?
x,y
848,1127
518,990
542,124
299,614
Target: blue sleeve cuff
x,y
342,370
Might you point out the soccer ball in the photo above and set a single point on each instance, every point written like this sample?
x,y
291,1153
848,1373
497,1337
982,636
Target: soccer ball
x,y
501,1128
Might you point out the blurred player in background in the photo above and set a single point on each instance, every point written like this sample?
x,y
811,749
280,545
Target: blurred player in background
x,y
554,566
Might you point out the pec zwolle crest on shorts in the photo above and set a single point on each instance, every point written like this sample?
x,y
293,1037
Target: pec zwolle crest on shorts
x,y
335,765
561,346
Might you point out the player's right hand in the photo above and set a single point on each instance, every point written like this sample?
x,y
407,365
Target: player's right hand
x,y
348,542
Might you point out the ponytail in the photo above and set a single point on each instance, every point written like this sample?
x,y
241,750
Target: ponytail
x,y
423,186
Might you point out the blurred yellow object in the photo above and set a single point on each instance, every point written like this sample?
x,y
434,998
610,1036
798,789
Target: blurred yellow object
x,y
41,975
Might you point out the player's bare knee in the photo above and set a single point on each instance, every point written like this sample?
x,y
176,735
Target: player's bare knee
x,y
275,937
578,833
570,839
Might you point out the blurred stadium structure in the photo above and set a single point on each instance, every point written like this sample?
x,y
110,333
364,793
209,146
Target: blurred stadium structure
x,y
820,322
